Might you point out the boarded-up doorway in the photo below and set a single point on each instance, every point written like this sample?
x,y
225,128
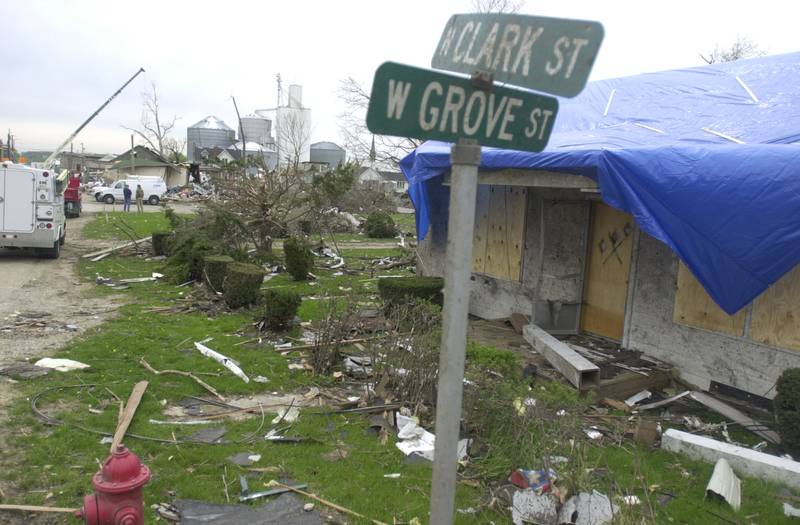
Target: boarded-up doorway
x,y
607,271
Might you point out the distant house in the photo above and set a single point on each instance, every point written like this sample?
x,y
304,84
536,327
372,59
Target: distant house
x,y
146,162
387,181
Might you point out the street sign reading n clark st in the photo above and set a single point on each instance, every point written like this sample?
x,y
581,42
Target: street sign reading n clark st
x,y
553,55
413,102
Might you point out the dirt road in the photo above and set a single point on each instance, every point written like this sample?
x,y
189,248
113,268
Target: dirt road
x,y
43,304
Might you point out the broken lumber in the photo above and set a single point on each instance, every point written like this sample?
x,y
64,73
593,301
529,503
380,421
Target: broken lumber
x,y
736,415
127,416
108,251
36,508
190,375
744,460
330,504
577,369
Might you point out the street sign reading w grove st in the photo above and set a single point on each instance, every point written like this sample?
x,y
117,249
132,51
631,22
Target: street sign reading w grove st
x,y
412,102
553,55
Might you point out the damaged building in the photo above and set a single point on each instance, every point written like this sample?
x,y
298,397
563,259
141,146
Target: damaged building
x,y
663,215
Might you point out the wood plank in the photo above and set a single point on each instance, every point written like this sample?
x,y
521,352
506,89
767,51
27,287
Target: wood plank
x,y
496,245
694,307
517,208
130,410
578,370
776,313
481,230
607,272
107,251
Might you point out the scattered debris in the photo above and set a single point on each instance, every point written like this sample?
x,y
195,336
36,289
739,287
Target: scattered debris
x,y
539,481
197,380
587,509
108,251
736,415
260,379
664,402
246,495
289,414
24,371
413,439
166,511
61,365
577,369
308,507
286,509
724,484
245,459
227,362
394,475
325,502
207,435
631,500
127,413
646,432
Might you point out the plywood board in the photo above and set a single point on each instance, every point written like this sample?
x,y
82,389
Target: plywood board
x,y
694,307
517,207
497,236
481,229
776,313
608,268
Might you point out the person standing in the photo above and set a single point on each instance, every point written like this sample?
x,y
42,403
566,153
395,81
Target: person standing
x,y
126,193
139,198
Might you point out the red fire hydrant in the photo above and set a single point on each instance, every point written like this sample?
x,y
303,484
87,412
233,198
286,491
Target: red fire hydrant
x,y
118,491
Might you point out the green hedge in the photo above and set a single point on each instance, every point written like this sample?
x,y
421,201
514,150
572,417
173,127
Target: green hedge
x,y
380,225
216,269
242,284
162,242
399,290
787,408
280,307
298,256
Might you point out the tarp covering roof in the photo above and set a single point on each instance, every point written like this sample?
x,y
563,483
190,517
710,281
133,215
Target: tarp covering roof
x,y
703,158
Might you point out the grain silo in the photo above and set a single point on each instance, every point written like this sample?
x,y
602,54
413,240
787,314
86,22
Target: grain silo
x,y
327,152
208,133
257,129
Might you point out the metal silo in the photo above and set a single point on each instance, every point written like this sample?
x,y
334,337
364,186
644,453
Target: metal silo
x,y
327,152
257,129
208,133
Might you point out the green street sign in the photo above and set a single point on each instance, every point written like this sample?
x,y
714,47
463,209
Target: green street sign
x,y
419,103
553,55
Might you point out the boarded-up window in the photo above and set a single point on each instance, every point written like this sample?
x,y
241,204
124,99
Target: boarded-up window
x,y
694,307
776,313
499,239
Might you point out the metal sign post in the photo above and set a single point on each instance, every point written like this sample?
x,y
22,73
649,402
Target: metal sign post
x,y
465,158
547,54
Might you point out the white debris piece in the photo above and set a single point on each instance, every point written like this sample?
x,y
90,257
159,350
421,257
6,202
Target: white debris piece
x,y
638,398
255,458
631,500
62,365
415,439
530,507
260,379
587,509
227,362
725,484
790,511
287,415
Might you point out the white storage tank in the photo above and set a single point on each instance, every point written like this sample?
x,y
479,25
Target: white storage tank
x,y
208,133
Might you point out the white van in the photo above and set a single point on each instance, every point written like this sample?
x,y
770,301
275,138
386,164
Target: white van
x,y
154,188
31,210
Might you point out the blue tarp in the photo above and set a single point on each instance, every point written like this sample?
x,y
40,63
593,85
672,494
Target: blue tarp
x,y
728,206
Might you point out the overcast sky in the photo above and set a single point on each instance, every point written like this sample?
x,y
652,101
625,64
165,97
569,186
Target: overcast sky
x,y
60,60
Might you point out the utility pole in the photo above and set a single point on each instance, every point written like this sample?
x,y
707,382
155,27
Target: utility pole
x,y
133,157
71,158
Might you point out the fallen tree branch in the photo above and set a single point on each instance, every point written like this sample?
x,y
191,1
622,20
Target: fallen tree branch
x,y
190,375
36,508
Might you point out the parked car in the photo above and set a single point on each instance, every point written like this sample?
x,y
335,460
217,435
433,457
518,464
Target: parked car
x,y
154,189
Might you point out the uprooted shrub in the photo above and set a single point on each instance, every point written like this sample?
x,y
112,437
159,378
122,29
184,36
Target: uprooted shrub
x,y
185,262
161,242
400,290
338,321
242,284
406,362
298,256
280,307
215,270
380,225
787,408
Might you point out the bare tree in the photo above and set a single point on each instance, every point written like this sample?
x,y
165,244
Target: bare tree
x,y
497,6
742,48
154,128
358,140
293,137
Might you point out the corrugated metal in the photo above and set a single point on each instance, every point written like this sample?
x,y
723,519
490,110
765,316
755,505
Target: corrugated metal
x,y
257,129
321,152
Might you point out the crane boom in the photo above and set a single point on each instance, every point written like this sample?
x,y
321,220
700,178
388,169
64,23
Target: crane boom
x,y
52,157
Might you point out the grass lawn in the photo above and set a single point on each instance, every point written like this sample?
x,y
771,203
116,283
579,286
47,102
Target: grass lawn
x,y
61,459
115,224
